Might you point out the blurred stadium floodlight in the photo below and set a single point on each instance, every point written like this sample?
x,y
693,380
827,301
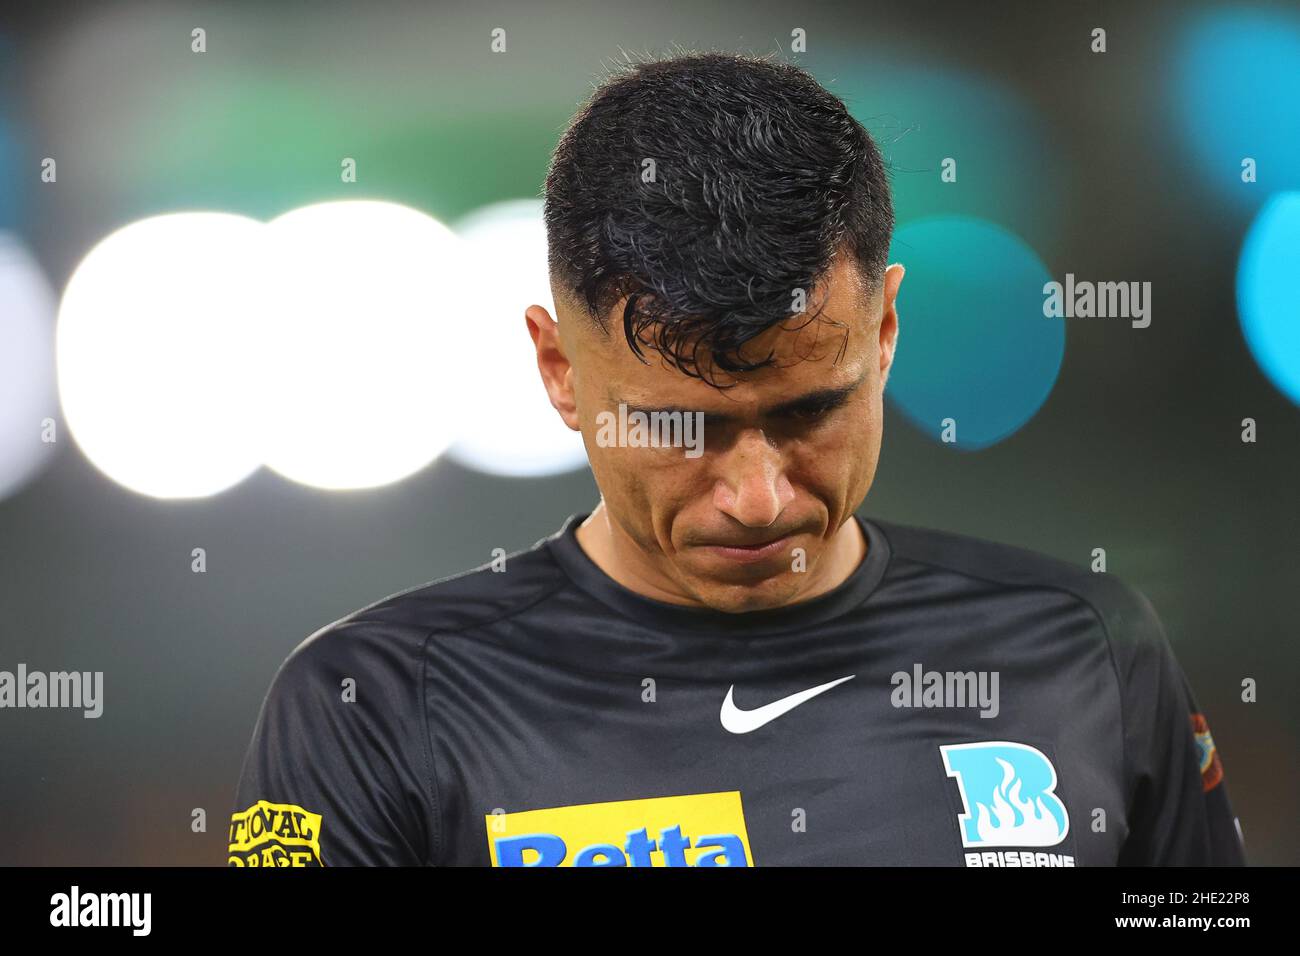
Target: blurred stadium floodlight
x,y
153,332
194,347
365,376
516,431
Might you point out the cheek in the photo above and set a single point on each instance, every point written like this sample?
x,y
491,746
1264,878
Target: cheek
x,y
841,459
866,451
617,482
643,485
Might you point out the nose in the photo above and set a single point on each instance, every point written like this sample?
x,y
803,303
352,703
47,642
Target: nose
x,y
751,485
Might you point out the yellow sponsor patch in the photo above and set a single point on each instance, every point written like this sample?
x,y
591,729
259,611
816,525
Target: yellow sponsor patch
x,y
701,829
275,834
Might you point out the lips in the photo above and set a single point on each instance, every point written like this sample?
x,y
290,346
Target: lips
x,y
749,552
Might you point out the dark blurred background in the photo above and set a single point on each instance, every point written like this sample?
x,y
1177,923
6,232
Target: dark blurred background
x,y
1075,434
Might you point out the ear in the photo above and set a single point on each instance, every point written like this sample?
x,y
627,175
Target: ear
x,y
889,319
555,368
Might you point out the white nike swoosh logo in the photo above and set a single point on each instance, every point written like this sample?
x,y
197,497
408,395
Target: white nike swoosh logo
x,y
743,721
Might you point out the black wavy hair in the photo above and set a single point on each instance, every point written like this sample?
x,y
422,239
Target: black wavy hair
x,y
761,177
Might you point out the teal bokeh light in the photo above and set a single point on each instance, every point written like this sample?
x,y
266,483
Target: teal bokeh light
x,y
1008,165
1268,294
1237,90
11,212
973,345
12,172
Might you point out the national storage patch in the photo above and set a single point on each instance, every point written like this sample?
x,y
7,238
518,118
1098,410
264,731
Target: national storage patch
x,y
275,834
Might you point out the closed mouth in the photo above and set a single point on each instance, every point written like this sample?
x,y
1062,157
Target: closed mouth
x,y
750,552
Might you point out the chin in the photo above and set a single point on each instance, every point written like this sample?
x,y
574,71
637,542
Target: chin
x,y
773,591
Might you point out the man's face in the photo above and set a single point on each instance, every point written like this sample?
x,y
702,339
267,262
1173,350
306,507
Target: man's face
x,y
788,452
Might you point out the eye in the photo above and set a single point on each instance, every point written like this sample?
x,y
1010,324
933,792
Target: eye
x,y
814,414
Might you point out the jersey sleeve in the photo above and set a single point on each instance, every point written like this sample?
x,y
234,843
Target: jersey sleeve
x,y
1179,812
335,774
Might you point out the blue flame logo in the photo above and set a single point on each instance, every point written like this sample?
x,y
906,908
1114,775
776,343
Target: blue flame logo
x,y
1007,792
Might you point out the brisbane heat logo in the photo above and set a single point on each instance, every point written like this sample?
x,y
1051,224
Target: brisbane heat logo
x,y
1008,800
701,829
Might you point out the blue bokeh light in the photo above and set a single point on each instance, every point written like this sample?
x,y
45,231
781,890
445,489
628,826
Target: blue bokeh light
x,y
1268,295
1237,89
973,342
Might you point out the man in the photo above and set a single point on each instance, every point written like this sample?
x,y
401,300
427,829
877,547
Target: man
x,y
722,664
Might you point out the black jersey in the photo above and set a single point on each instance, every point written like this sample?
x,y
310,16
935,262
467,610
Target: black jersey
x,y
954,702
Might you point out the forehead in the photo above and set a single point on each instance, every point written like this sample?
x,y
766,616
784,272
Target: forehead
x,y
829,346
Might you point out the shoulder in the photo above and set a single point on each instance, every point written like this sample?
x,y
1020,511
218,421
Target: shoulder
x,y
386,638
1123,612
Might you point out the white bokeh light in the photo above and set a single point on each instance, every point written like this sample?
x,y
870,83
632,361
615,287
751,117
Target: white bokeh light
x,y
27,393
514,430
154,332
364,318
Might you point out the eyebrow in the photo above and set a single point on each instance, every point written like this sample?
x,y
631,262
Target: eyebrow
x,y
822,399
